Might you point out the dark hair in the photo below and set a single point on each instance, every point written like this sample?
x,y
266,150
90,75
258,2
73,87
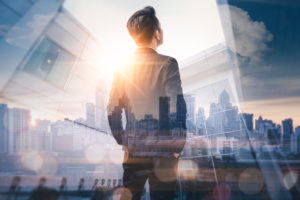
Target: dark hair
x,y
142,25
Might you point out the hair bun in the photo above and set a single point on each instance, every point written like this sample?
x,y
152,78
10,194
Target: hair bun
x,y
149,10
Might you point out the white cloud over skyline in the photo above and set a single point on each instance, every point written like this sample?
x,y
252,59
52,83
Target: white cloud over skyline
x,y
251,37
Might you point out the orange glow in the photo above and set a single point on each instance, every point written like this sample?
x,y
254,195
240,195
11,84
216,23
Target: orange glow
x,y
33,123
32,161
251,181
116,154
113,56
188,169
122,193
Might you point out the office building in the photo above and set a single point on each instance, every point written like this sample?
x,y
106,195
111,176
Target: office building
x,y
49,62
247,121
164,113
287,125
3,128
190,106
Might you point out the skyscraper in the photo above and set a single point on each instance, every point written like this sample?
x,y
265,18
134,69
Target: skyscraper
x,y
223,117
258,123
164,112
297,135
18,124
273,136
247,121
190,107
100,108
181,111
224,99
200,122
287,125
3,128
278,127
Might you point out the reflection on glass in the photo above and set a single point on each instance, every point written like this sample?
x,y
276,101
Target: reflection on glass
x,y
51,63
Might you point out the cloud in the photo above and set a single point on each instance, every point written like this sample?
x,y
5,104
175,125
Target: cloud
x,y
255,88
3,30
251,37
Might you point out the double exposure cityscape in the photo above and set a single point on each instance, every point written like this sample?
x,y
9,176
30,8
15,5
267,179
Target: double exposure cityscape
x,y
233,125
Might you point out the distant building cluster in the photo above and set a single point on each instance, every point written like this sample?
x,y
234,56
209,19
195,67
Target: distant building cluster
x,y
226,131
223,133
19,133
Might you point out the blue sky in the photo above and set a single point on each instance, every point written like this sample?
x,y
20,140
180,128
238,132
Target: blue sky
x,y
283,56
271,85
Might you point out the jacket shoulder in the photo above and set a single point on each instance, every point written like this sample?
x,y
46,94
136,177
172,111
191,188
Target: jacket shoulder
x,y
168,60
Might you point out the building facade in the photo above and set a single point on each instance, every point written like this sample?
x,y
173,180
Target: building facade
x,y
48,73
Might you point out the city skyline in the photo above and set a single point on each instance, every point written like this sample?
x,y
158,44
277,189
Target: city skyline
x,y
91,120
222,100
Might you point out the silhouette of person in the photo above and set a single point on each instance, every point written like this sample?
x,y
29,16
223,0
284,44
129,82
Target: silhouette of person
x,y
42,193
94,187
81,187
42,183
14,188
148,89
63,188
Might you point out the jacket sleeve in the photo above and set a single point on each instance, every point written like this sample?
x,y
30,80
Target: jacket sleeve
x,y
173,90
114,109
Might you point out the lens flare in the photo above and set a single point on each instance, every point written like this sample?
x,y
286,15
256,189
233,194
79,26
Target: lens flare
x,y
122,193
32,123
251,181
32,161
188,169
166,169
290,179
49,166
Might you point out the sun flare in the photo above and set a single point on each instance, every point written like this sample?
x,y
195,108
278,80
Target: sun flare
x,y
113,56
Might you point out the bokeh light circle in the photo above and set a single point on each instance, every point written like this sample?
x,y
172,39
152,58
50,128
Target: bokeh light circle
x,y
166,169
49,166
116,155
32,161
251,181
290,179
122,193
188,169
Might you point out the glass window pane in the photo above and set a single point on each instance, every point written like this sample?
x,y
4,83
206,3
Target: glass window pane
x,y
18,6
7,19
42,59
61,68
51,63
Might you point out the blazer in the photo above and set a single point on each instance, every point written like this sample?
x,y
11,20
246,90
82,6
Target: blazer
x,y
147,89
